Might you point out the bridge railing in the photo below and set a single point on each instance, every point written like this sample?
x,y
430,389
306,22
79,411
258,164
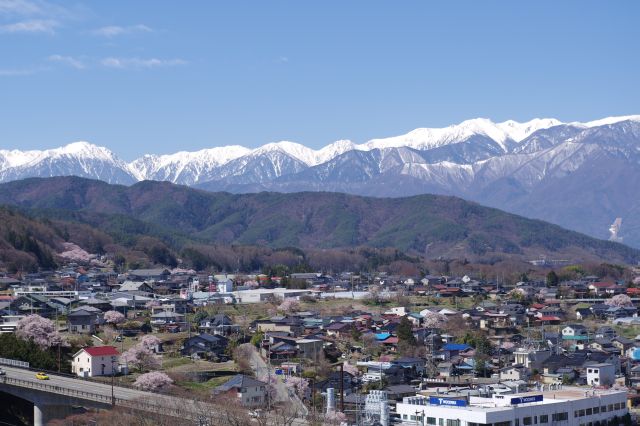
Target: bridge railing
x,y
14,363
59,390
175,410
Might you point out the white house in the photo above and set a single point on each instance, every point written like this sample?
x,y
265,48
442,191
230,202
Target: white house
x,y
249,391
224,285
601,374
95,361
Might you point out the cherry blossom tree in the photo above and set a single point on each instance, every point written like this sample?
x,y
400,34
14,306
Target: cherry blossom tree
x,y
41,331
114,317
109,334
141,358
152,381
619,300
301,385
335,418
149,341
289,305
434,319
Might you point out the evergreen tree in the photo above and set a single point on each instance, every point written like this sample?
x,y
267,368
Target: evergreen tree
x,y
552,279
405,331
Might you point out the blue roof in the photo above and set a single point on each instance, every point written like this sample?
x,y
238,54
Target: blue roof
x,y
456,347
383,336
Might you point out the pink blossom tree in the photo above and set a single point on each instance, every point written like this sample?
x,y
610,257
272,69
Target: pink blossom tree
x,y
335,418
149,341
289,305
114,317
153,381
41,331
434,319
619,300
301,386
141,358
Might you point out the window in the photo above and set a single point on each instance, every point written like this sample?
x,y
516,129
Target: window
x,y
589,411
596,410
603,408
517,422
559,417
453,422
581,413
440,422
610,407
544,418
527,421
431,420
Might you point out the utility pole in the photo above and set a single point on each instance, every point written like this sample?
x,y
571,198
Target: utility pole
x,y
342,387
113,395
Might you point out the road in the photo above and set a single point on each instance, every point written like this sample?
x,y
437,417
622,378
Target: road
x,y
284,393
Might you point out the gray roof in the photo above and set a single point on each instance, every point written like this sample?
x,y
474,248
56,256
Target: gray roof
x,y
239,381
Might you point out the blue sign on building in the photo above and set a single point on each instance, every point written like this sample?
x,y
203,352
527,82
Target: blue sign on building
x,y
434,400
526,399
279,372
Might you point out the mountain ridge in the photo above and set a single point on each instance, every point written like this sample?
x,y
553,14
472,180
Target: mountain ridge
x,y
429,225
513,166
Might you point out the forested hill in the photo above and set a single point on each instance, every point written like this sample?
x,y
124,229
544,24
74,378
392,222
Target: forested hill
x,y
427,225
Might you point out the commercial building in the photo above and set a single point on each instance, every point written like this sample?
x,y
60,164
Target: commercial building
x,y
568,406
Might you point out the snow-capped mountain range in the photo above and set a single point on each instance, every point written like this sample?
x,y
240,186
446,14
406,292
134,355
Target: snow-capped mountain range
x,y
579,175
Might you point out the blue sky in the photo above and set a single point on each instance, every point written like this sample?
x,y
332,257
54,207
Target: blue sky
x,y
159,76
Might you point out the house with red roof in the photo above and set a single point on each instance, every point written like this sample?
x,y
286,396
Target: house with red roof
x,y
95,361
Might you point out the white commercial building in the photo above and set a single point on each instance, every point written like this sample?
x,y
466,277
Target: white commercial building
x,y
569,406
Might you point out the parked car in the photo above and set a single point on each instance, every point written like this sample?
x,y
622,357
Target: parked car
x,y
42,376
2,372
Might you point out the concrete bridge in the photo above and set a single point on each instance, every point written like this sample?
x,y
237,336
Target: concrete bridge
x,y
54,398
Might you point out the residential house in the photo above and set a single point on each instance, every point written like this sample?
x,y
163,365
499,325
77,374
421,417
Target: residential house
x,y
575,332
249,391
83,319
601,375
205,346
219,324
95,361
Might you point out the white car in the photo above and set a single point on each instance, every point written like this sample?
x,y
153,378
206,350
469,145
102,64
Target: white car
x,y
2,372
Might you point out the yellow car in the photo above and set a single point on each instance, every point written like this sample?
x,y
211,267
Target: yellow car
x,y
42,376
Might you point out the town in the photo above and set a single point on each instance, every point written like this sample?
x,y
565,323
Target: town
x,y
321,348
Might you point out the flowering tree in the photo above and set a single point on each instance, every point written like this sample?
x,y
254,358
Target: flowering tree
x,y
149,341
334,418
300,384
141,358
152,381
109,334
620,300
434,319
289,305
114,317
40,330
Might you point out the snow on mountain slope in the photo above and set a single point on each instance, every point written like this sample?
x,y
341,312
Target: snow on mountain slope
x,y
184,167
466,143
429,138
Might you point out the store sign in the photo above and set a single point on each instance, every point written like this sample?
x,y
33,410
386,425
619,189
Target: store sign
x,y
526,399
434,400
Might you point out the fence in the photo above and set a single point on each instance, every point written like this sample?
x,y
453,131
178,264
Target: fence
x,y
14,363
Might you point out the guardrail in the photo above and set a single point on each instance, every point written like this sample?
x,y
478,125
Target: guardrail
x,y
59,390
14,363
